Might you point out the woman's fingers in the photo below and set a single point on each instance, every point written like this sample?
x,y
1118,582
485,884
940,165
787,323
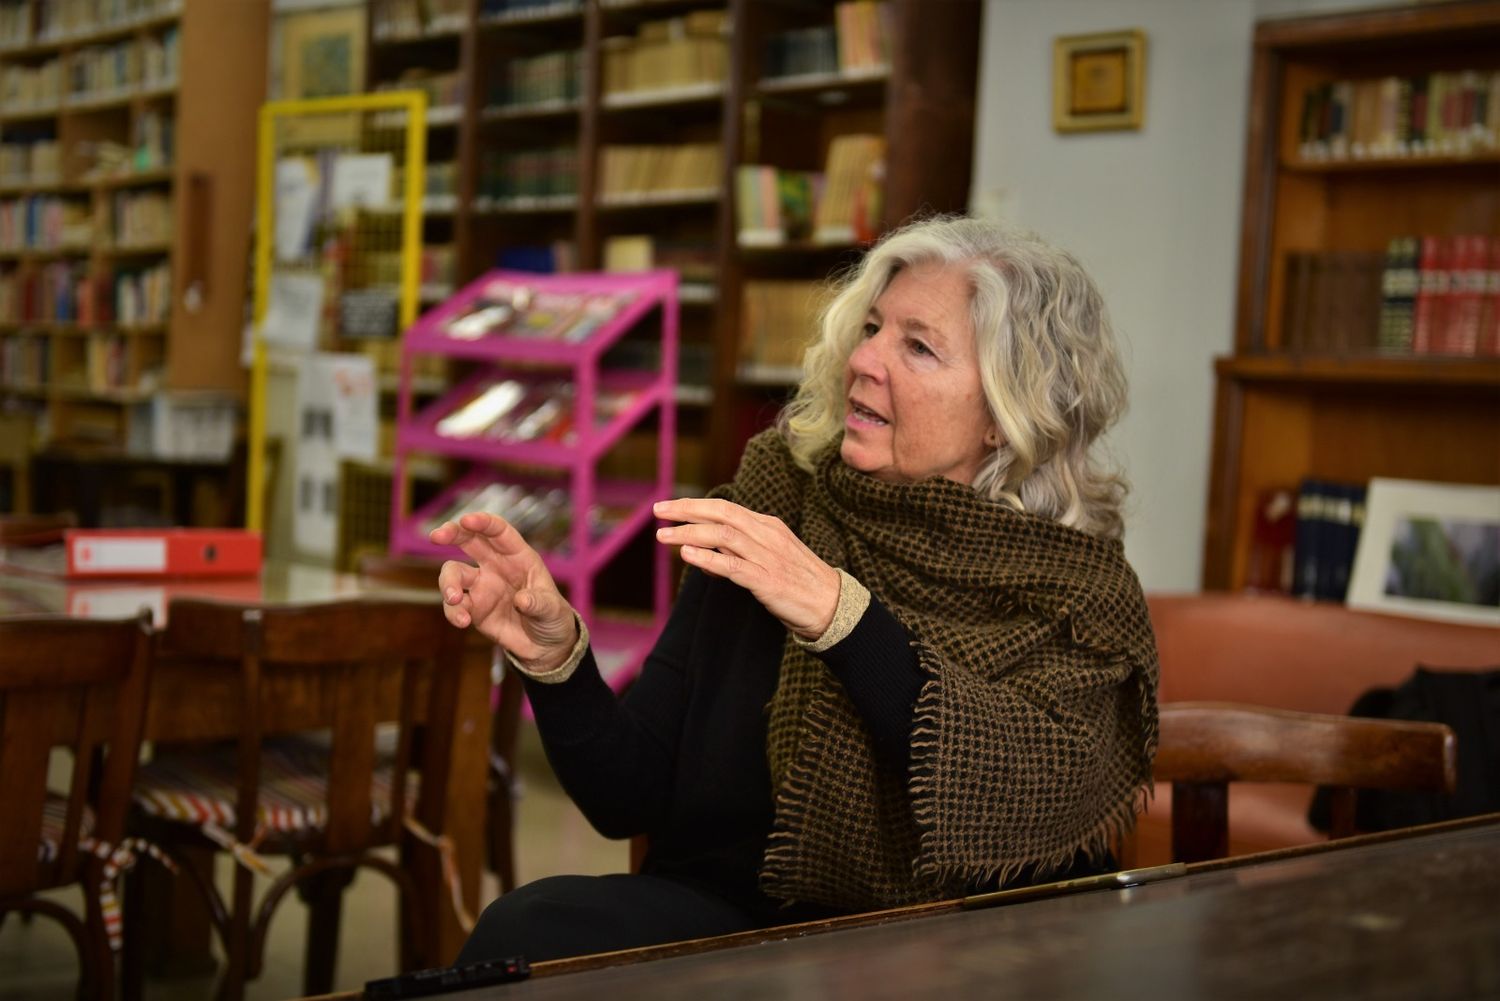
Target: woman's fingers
x,y
454,578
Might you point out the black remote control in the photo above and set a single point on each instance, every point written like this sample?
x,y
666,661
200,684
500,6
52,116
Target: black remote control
x,y
443,979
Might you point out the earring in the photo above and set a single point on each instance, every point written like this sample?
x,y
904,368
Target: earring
x,y
991,438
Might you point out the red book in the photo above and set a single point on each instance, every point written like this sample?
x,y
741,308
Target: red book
x,y
1466,289
1489,312
167,552
1432,293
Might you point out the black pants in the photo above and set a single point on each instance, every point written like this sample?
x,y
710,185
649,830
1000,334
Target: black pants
x,y
564,916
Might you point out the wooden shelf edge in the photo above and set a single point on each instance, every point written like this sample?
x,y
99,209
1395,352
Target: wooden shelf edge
x,y
1361,370
1377,26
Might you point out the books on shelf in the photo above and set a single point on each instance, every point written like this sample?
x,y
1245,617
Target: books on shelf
x,y
857,40
692,259
1437,114
777,321
1423,295
1333,301
507,309
849,209
635,170
1329,518
665,54
774,206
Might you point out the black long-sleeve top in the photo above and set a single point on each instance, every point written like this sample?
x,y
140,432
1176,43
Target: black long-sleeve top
x,y
682,756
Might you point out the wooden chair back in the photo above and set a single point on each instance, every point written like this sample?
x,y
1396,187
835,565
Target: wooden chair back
x,y
75,683
377,660
1207,745
79,684
505,720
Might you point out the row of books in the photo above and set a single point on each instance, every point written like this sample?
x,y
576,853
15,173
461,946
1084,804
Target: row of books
x,y
840,205
1436,114
106,363
510,410
139,217
45,222
859,39
1441,295
15,25
39,86
543,514
693,260
531,173
777,321
100,69
506,8
551,76
443,89
25,362
674,52
391,19
1305,538
35,162
60,19
63,292
1423,295
509,310
773,205
144,297
641,169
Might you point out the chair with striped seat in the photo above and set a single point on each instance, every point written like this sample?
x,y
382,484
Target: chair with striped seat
x,y
80,685
346,782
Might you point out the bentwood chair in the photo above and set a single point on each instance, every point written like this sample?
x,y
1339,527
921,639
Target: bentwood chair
x,y
505,722
80,685
1206,746
326,798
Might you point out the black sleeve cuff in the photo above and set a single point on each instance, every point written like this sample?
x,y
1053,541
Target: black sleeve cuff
x,y
879,670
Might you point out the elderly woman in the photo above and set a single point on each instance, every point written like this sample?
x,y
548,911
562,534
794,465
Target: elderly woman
x,y
908,660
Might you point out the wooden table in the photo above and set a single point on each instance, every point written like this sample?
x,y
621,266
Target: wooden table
x,y
187,706
1415,915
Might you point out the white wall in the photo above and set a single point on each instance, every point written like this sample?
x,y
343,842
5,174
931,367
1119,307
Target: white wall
x,y
1153,214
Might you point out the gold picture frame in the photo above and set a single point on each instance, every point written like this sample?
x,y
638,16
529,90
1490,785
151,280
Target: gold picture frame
x,y
1099,81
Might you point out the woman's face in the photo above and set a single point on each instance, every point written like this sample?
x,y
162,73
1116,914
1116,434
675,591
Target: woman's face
x,y
914,407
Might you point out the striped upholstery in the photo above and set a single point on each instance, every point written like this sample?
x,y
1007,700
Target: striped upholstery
x,y
200,788
116,859
54,820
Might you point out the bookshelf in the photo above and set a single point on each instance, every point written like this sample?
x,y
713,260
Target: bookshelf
x,y
554,388
125,207
1322,400
606,134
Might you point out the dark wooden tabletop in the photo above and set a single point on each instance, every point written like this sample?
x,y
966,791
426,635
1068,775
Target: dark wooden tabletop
x,y
1407,917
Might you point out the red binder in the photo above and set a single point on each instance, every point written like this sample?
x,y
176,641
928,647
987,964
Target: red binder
x,y
168,552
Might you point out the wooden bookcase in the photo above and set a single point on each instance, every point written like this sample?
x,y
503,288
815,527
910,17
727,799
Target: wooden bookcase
x,y
179,123
923,105
1283,414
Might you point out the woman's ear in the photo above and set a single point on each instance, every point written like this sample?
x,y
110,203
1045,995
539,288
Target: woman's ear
x,y
993,438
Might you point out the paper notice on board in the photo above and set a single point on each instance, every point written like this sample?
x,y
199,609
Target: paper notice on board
x,y
296,192
356,424
294,311
316,468
362,179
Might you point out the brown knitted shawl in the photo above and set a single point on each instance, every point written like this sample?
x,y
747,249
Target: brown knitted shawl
x,y
1034,731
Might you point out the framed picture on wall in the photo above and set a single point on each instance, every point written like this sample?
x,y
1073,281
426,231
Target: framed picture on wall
x,y
1431,550
1099,81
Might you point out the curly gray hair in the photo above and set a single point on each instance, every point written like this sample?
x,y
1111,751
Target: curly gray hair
x,y
1047,362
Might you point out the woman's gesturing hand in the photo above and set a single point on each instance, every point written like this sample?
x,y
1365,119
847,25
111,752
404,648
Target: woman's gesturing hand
x,y
509,596
759,553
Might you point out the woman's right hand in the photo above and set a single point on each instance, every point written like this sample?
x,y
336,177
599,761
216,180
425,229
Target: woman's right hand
x,y
508,596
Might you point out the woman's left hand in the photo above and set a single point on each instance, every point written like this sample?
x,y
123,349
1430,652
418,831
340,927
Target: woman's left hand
x,y
757,552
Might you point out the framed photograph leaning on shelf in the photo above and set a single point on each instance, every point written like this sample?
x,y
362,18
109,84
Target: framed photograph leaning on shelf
x,y
1099,81
1430,550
